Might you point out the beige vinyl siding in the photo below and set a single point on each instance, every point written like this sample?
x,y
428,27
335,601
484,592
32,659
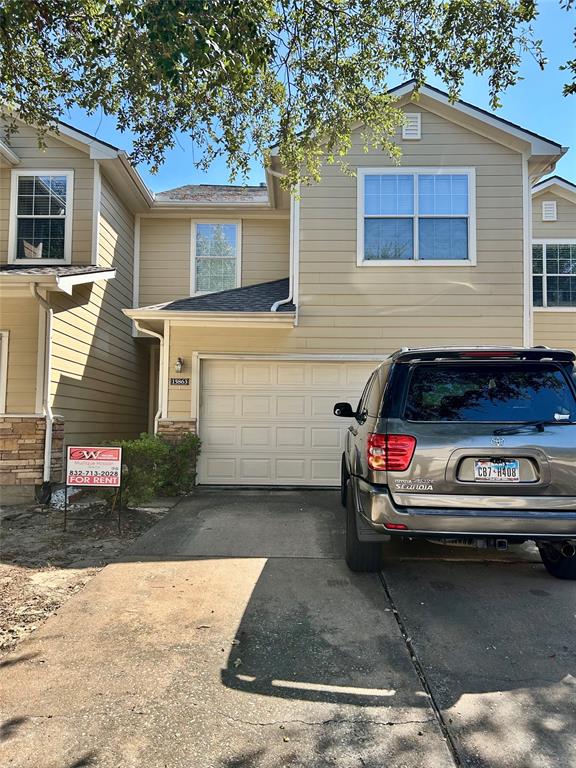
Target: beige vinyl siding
x,y
375,308
19,316
60,156
555,329
165,254
565,226
164,259
265,250
99,372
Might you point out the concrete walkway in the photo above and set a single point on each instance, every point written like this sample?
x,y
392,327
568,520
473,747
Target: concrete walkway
x,y
231,636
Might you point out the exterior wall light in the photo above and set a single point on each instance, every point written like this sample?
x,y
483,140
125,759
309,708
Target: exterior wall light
x,y
179,365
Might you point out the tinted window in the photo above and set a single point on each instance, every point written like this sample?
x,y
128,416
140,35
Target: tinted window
x,y
487,392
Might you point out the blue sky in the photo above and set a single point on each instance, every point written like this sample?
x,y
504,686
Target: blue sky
x,y
536,103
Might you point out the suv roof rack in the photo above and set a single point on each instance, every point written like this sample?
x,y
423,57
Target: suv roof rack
x,y
406,355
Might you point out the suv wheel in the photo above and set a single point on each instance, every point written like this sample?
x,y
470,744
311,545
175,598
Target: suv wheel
x,y
557,564
361,556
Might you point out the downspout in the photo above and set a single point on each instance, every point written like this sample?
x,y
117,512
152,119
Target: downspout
x,y
294,248
147,331
46,405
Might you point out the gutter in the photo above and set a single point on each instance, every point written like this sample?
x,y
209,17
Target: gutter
x,y
161,377
46,406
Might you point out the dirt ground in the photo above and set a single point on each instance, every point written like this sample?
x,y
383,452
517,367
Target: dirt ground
x,y
41,565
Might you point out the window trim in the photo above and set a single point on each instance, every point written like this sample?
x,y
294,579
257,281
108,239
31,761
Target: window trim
x,y
361,173
68,218
544,242
4,346
193,227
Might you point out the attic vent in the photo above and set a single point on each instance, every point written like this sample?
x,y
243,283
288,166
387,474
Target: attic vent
x,y
549,212
411,130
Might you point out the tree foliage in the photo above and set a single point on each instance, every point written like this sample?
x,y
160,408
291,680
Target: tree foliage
x,y
239,76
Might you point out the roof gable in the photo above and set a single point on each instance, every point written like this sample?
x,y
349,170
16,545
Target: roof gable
x,y
558,186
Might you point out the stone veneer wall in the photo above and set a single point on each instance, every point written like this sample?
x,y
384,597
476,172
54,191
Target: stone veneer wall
x,y
22,450
172,429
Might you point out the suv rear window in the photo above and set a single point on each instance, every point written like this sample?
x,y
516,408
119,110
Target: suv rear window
x,y
489,392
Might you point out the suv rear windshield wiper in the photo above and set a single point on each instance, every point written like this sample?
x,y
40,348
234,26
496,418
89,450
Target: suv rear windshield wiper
x,y
539,425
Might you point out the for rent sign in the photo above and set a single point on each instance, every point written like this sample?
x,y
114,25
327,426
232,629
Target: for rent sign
x,y
94,466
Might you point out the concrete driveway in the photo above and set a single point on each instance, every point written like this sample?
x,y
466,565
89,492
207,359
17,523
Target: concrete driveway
x,y
233,636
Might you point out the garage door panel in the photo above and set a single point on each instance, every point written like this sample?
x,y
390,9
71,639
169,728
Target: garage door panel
x,y
290,471
290,405
291,437
291,375
256,405
256,437
271,422
219,406
325,437
256,470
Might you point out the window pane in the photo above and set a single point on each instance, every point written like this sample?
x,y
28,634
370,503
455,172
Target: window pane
x,y
537,260
561,291
538,290
485,392
443,238
216,241
40,238
443,194
215,274
389,195
386,239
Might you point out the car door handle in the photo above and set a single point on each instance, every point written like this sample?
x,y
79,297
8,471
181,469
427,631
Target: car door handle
x,y
353,430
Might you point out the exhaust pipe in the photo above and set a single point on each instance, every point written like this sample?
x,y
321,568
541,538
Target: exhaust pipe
x,y
568,549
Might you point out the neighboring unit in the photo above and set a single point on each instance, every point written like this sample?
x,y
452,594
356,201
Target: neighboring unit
x,y
71,369
554,262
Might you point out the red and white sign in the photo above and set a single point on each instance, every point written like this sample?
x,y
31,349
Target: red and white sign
x,y
99,465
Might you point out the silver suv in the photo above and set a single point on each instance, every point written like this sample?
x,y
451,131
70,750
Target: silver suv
x,y
474,445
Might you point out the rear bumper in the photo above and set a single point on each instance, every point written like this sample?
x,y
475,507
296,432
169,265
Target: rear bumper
x,y
377,509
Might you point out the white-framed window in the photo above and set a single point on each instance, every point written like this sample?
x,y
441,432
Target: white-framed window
x,y
554,274
216,256
4,337
408,216
41,216
549,210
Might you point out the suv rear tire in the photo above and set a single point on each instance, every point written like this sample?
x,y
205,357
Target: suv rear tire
x,y
361,556
557,564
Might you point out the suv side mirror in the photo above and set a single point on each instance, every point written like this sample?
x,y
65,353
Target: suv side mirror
x,y
345,410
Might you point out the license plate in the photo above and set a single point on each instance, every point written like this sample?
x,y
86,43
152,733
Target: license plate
x,y
491,471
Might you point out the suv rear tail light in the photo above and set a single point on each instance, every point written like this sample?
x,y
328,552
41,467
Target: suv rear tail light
x,y
391,453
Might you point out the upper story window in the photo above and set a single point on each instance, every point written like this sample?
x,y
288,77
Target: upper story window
x,y
554,274
416,215
216,256
41,216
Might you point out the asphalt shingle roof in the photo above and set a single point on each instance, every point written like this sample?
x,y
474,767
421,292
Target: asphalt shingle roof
x,y
214,193
252,298
48,270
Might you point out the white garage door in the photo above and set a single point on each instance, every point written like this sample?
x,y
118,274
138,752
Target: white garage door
x,y
271,423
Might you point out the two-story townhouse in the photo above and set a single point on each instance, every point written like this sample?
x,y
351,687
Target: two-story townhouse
x,y
265,310
554,262
70,367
